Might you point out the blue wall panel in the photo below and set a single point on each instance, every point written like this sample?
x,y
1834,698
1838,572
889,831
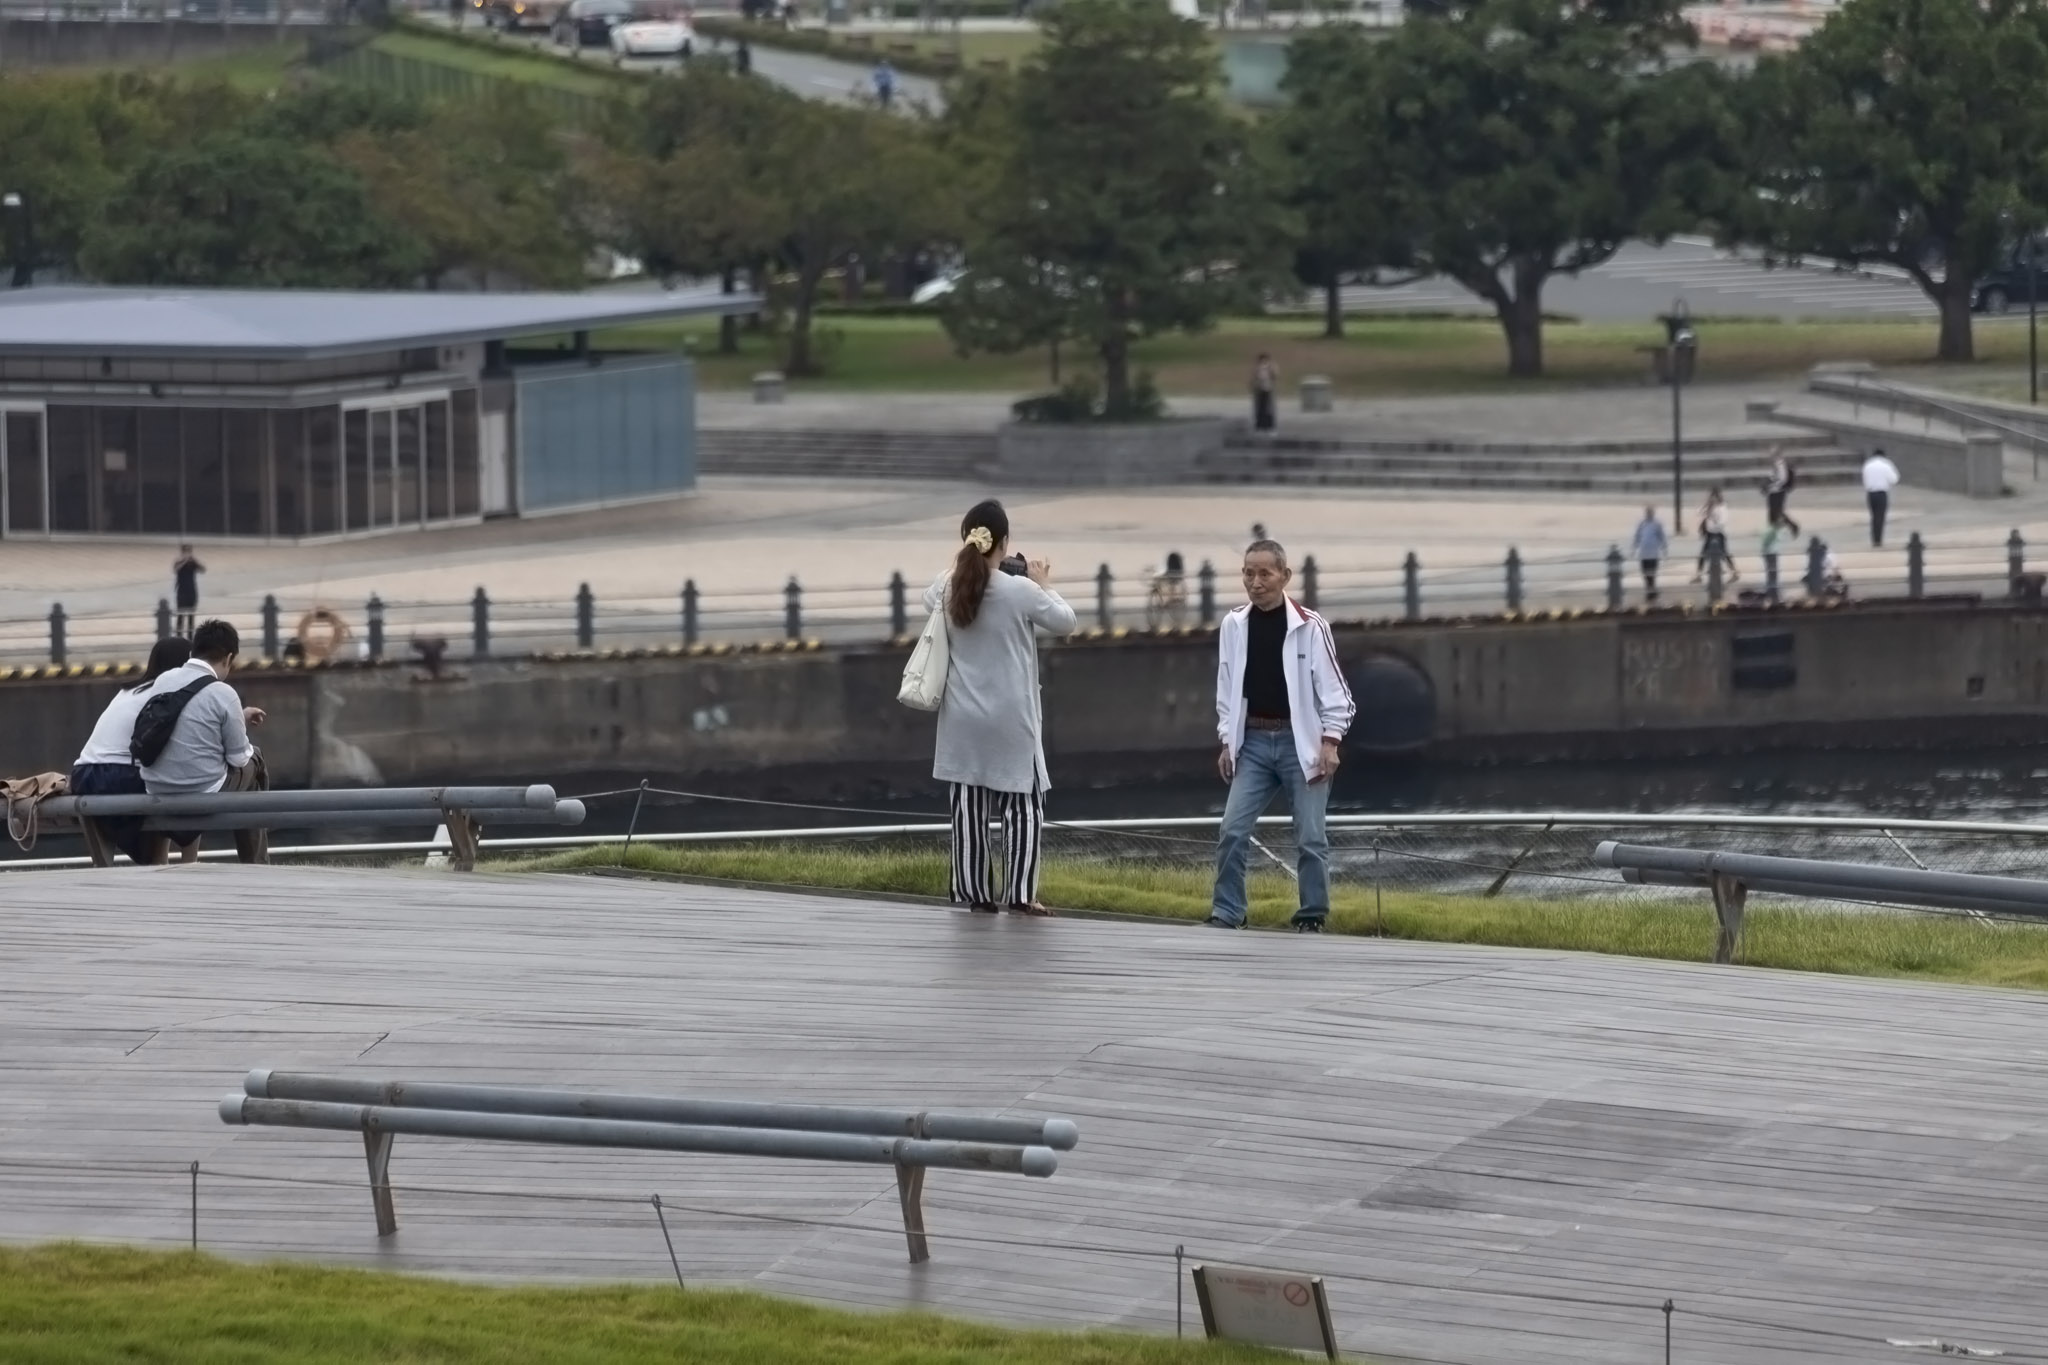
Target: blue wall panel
x,y
588,434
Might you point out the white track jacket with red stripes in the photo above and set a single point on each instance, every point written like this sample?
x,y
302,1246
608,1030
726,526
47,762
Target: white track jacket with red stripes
x,y
1318,698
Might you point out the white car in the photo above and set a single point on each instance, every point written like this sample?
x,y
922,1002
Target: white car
x,y
653,38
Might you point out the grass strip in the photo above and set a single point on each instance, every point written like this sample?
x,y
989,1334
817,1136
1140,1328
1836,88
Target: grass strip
x,y
1380,356
482,53
85,1305
1934,947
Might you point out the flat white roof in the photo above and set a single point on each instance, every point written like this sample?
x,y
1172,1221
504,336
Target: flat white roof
x,y
305,324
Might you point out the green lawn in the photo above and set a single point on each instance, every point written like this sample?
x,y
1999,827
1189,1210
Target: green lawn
x,y
1852,943
1379,356
77,1305
507,60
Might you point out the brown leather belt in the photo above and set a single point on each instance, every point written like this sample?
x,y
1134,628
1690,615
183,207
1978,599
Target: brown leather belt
x,y
1268,723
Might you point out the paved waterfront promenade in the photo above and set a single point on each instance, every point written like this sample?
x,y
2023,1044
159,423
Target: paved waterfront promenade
x,y
1499,1157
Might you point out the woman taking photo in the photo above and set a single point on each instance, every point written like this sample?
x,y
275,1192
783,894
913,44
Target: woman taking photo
x,y
990,749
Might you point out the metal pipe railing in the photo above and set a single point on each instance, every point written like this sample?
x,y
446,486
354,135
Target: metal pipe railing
x,y
1057,1133
265,803
656,1137
1809,876
561,813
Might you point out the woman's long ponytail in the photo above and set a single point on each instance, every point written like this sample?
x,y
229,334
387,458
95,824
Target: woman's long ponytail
x,y
970,565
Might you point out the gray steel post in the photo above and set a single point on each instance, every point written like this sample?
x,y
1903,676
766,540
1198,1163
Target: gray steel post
x,y
57,633
899,606
373,613
1614,584
2015,558
1411,586
271,648
1062,1134
1916,566
163,619
1205,584
793,610
536,797
1514,572
1309,593
480,625
1105,586
1816,566
565,813
586,618
689,611
1840,881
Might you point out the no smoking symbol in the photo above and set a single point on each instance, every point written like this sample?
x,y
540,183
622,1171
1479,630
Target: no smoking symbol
x,y
1295,1293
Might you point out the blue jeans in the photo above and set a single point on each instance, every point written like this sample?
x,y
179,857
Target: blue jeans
x,y
1265,765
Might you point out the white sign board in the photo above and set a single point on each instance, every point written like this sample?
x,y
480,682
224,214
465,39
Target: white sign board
x,y
1265,1307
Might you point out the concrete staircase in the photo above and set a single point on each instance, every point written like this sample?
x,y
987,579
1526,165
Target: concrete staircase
x,y
1592,467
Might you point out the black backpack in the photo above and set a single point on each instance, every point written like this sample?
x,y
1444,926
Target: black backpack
x,y
159,717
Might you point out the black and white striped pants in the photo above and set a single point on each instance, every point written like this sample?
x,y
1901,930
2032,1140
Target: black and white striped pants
x,y
1022,815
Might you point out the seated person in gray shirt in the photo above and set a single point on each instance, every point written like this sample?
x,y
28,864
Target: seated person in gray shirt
x,y
209,749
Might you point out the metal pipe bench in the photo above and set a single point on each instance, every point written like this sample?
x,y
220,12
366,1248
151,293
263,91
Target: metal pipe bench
x,y
911,1141
1730,877
465,810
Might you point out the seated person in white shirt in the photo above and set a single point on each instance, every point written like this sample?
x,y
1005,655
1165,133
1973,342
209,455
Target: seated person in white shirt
x,y
104,766
209,749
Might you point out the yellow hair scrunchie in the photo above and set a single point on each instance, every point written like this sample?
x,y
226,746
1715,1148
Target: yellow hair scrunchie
x,y
981,540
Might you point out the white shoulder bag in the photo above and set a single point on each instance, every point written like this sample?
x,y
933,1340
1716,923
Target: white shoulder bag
x,y
924,677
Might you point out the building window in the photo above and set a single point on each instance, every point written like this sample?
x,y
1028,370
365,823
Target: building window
x,y
288,473
206,483
71,480
246,445
355,489
21,436
323,472
439,473
138,484
468,498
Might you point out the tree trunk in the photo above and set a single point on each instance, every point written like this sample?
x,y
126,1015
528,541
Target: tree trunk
x,y
728,326
1521,319
1958,341
799,361
1116,376
1333,308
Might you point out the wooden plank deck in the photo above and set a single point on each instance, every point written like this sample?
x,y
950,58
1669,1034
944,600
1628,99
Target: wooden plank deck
x,y
1496,1156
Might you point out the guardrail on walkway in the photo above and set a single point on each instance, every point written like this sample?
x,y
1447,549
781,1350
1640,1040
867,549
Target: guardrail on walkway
x,y
483,626
911,1141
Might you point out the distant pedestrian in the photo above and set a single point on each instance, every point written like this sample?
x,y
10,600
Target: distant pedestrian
x,y
1778,484
1265,388
1714,536
1880,477
185,589
1282,711
885,83
743,59
1649,546
991,751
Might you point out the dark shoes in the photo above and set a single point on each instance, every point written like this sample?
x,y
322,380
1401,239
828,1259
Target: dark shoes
x,y
1214,923
1308,926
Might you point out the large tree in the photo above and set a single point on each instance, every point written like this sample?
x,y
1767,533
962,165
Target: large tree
x,y
1526,139
1116,197
1911,132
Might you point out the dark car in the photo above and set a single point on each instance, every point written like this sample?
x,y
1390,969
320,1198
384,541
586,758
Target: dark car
x,y
589,23
2004,287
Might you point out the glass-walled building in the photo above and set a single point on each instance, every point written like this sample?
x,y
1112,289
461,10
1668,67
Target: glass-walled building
x,y
284,415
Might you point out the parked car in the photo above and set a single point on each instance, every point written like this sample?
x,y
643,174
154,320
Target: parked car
x,y
513,15
589,23
652,31
2005,287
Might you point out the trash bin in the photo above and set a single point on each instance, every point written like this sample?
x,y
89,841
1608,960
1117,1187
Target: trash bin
x,y
1315,393
769,387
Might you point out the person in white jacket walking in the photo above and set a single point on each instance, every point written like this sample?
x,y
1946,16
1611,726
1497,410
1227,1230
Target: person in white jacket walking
x,y
1282,710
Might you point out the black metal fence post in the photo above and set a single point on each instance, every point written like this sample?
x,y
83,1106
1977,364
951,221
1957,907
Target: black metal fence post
x,y
1715,585
2015,558
1614,592
480,625
1771,577
1309,593
56,632
1411,586
1105,605
586,618
1205,583
271,643
1916,566
1514,571
373,612
1816,566
163,616
793,610
899,606
689,611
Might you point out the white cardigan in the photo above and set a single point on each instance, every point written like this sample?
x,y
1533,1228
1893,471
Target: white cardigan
x,y
1318,699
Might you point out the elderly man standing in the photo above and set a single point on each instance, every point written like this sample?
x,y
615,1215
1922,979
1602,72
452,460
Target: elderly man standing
x,y
1282,709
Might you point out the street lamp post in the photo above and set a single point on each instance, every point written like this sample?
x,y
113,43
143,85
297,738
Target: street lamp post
x,y
21,243
2033,335
1680,347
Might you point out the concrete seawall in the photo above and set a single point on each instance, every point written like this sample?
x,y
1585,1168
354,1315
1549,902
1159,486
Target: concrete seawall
x,y
825,722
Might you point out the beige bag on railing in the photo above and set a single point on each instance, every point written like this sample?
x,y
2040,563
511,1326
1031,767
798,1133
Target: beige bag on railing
x,y
924,677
